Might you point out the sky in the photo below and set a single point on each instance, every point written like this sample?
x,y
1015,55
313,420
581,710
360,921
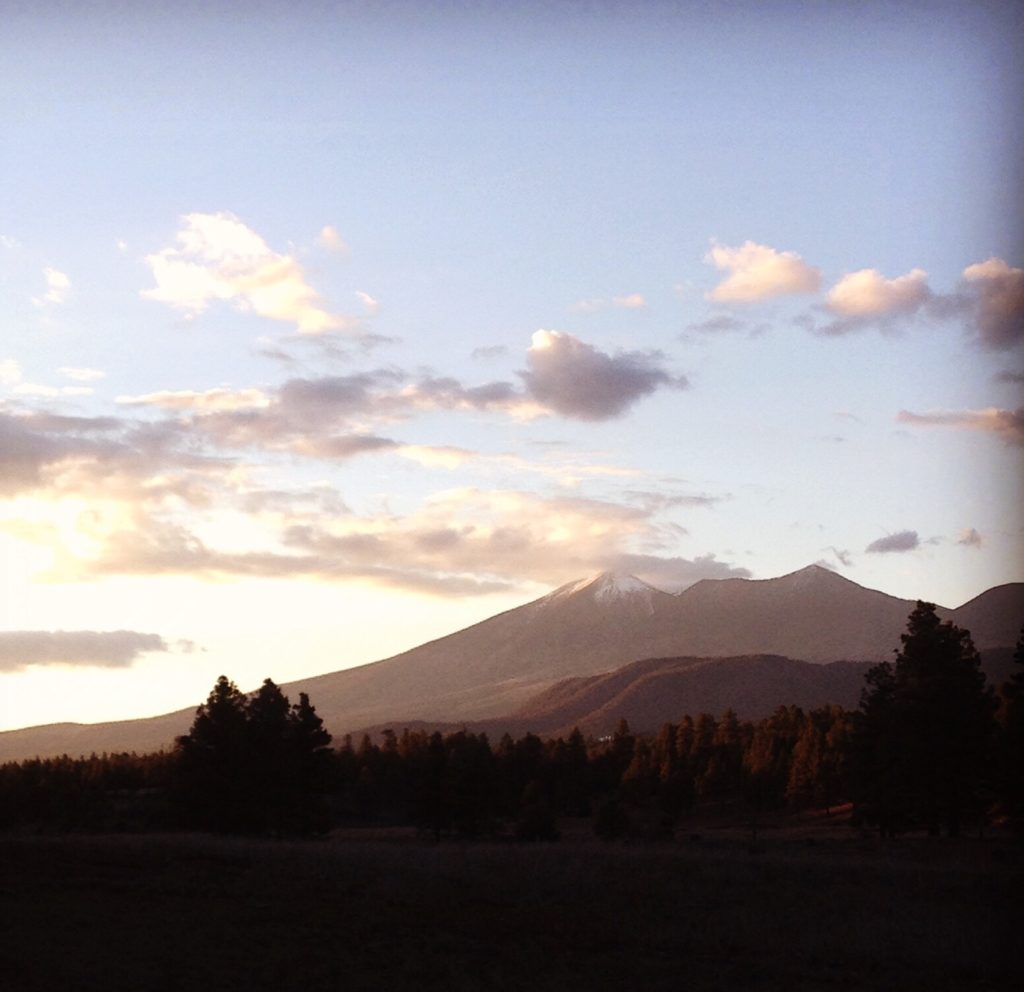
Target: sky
x,y
332,328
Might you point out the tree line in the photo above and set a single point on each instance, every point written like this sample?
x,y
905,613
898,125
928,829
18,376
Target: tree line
x,y
930,747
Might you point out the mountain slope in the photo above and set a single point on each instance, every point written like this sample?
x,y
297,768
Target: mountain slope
x,y
592,626
813,614
492,667
651,692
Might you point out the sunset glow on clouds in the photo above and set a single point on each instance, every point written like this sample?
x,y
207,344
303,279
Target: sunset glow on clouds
x,y
310,355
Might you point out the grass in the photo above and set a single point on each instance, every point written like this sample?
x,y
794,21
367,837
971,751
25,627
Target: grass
x,y
392,912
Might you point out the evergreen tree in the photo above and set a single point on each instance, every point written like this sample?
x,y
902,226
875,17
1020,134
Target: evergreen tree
x,y
924,730
212,784
252,764
1010,741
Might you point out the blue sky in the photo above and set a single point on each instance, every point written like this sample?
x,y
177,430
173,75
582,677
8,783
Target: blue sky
x,y
333,328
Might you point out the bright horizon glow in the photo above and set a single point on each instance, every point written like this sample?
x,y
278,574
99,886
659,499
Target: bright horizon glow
x,y
339,329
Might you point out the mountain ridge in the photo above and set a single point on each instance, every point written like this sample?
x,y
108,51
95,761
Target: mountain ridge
x,y
586,628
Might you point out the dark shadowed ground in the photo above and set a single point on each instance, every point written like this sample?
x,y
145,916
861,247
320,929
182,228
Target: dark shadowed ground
x,y
387,912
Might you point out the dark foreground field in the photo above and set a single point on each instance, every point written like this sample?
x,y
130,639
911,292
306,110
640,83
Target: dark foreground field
x,y
198,913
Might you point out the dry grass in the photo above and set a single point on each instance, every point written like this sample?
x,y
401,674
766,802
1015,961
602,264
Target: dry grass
x,y
390,912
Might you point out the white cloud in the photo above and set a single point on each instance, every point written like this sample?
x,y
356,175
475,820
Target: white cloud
x,y
758,272
220,258
58,285
629,301
331,240
81,375
220,398
35,389
970,538
372,306
867,293
10,372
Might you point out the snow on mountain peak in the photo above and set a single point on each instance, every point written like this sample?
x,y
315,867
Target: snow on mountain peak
x,y
616,585
610,587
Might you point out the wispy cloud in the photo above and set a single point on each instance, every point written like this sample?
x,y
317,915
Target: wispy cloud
x,y
970,538
489,351
627,301
81,375
217,399
1007,425
330,240
757,272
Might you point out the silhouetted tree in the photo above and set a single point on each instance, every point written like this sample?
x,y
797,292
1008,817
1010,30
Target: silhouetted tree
x,y
212,789
1009,750
252,764
924,729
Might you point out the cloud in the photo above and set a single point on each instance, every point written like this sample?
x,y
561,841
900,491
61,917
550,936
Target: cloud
x,y
486,352
1007,425
970,538
758,272
10,372
371,305
107,649
330,240
674,574
217,399
34,443
436,456
116,496
340,447
722,323
58,285
628,301
591,305
81,375
576,380
1014,378
996,291
219,258
36,389
904,540
867,294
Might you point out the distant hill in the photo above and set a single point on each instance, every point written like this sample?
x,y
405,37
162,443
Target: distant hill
x,y
589,627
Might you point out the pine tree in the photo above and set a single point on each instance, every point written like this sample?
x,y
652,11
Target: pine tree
x,y
925,727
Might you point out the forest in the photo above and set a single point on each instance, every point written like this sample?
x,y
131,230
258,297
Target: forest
x,y
931,748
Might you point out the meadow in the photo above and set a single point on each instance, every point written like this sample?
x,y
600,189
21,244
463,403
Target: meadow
x,y
391,910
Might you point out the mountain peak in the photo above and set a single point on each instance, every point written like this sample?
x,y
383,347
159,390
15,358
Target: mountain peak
x,y
607,587
616,585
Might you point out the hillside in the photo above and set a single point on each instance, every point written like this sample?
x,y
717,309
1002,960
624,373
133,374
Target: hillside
x,y
585,628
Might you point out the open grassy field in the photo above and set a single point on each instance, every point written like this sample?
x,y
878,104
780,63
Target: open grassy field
x,y
387,912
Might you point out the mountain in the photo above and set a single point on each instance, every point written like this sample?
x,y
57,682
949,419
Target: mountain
x,y
593,626
491,668
652,692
